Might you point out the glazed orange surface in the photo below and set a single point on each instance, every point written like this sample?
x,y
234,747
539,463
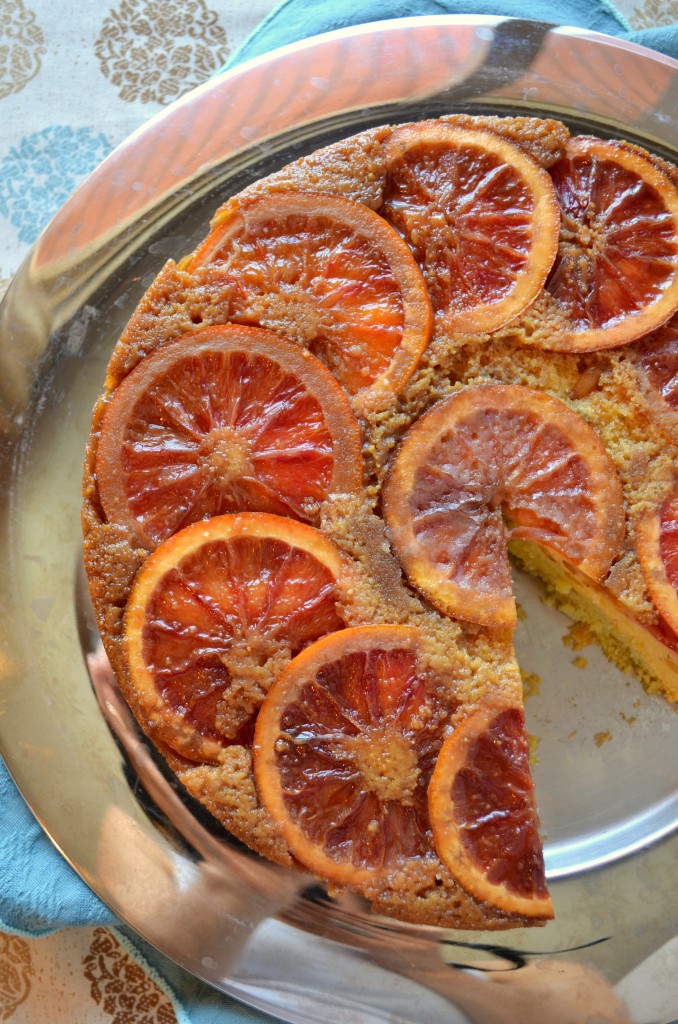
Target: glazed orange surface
x,y
329,272
390,365
212,607
225,419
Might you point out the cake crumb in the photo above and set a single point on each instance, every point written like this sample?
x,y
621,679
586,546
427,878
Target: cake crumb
x,y
533,742
531,683
520,612
629,719
578,636
580,662
602,737
572,734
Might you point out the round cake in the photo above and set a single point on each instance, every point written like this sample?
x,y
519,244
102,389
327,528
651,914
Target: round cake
x,y
389,366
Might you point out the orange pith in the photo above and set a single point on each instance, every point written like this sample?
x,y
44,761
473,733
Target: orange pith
x,y
616,274
212,609
224,419
656,358
490,463
344,746
481,217
657,547
331,274
483,813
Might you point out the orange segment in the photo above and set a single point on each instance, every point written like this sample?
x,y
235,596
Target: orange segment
x,y
224,419
214,612
483,813
656,359
331,274
481,217
345,744
490,463
657,547
616,274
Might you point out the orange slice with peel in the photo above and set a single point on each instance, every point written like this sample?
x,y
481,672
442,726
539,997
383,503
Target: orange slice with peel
x,y
214,612
483,813
480,216
344,746
657,548
616,274
490,463
331,274
656,360
225,419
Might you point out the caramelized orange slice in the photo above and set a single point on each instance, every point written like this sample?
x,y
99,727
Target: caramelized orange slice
x,y
657,547
481,217
344,746
225,419
483,813
332,275
490,463
212,615
616,274
656,359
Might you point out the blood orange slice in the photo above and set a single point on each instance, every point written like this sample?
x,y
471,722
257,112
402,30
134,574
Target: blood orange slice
x,y
345,744
213,614
656,359
490,463
481,217
331,274
657,547
483,813
616,274
225,419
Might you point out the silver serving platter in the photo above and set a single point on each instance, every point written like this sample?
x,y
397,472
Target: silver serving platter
x,y
607,753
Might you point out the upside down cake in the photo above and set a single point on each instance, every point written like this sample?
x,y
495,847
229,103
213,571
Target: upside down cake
x,y
388,365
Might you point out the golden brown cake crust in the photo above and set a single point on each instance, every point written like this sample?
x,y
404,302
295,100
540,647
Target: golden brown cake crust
x,y
601,387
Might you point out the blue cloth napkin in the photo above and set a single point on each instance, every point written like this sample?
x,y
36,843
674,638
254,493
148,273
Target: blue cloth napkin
x,y
297,19
39,892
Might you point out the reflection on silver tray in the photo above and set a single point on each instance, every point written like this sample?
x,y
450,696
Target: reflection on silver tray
x,y
269,936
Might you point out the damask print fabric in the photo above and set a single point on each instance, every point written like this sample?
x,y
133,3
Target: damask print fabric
x,y
75,80
652,14
50,159
16,974
99,981
155,51
22,48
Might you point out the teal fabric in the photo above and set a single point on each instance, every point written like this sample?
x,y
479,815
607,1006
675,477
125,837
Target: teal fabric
x,y
297,19
39,891
663,39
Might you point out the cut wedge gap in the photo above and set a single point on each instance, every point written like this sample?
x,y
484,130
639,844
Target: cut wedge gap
x,y
644,650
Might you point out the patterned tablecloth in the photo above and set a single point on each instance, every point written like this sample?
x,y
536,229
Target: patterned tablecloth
x,y
75,79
